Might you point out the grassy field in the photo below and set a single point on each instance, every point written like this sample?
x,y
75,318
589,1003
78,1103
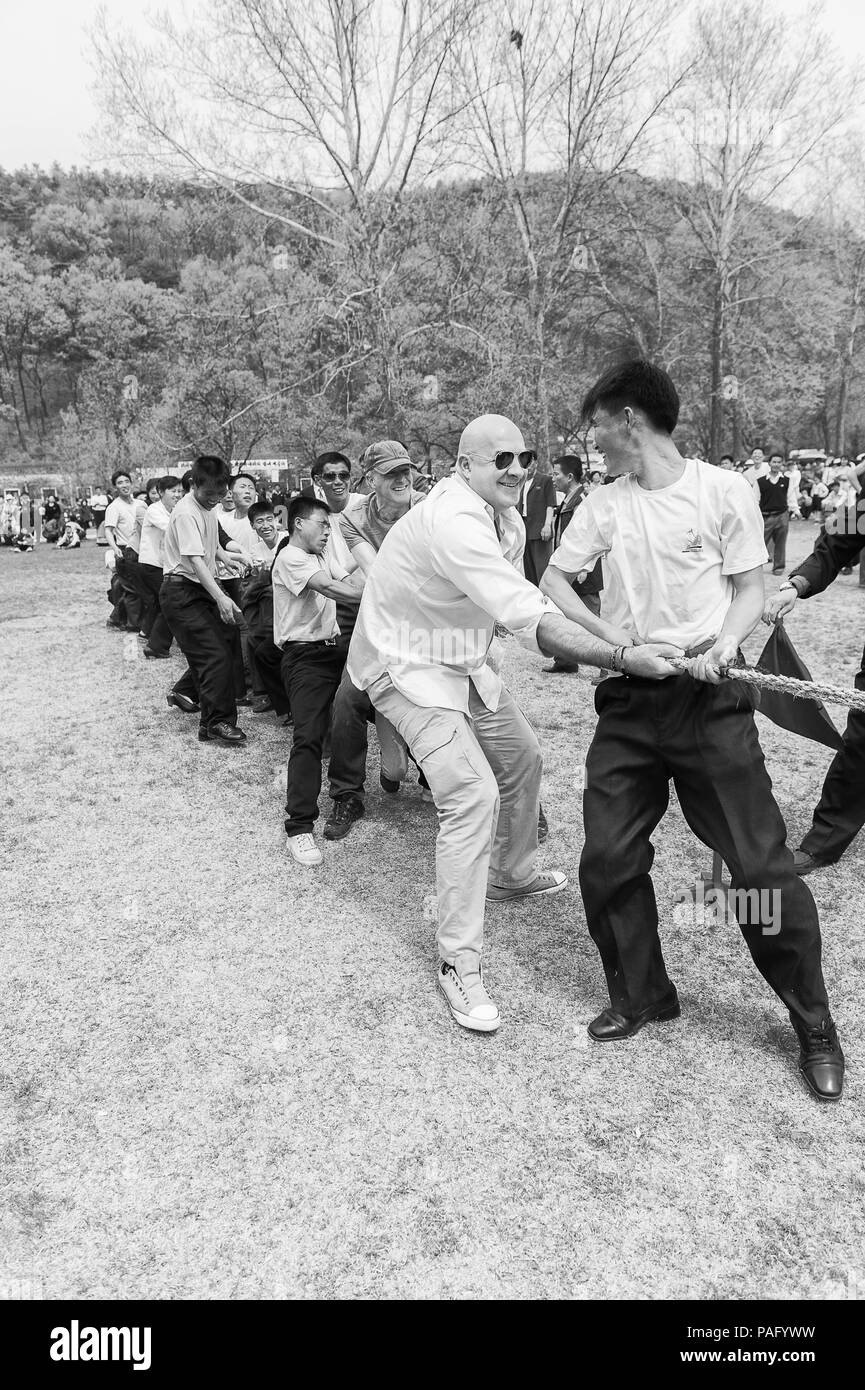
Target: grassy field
x,y
224,1076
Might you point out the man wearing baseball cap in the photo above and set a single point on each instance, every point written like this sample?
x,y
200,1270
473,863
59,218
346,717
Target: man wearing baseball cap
x,y
388,469
445,574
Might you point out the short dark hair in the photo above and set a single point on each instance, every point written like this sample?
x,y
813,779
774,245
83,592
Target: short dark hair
x,y
569,464
151,482
638,384
323,460
167,482
299,508
248,476
776,454
259,509
121,473
186,480
726,456
208,468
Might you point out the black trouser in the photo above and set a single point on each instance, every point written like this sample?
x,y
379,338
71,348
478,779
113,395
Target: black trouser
x,y
203,638
775,528
152,621
352,711
311,673
704,737
840,812
125,591
236,638
536,557
265,659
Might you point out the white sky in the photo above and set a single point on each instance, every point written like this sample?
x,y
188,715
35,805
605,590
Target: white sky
x,y
46,109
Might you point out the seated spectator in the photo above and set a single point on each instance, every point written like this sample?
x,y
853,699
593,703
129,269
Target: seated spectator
x,y
70,536
52,518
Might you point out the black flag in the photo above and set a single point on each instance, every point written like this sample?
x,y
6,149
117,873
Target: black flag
x,y
805,717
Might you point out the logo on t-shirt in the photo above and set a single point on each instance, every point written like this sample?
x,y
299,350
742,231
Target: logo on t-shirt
x,y
693,543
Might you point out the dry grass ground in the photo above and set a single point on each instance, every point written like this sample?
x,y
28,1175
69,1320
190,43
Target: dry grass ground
x,y
226,1076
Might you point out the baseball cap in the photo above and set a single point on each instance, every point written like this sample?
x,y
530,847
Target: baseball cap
x,y
387,455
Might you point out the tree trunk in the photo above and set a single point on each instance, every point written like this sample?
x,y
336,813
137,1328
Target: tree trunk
x,y
716,400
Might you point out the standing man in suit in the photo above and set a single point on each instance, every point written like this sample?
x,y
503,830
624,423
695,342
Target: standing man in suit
x,y
537,507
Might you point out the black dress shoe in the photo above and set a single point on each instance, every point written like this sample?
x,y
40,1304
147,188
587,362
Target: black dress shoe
x,y
226,734
610,1026
821,1060
154,656
182,702
343,816
389,784
261,704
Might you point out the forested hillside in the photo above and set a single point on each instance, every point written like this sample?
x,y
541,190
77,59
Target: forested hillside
x,y
144,320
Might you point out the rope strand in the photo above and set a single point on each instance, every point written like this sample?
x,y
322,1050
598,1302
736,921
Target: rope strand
x,y
785,685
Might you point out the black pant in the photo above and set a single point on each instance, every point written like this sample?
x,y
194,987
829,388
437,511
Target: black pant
x,y
704,737
536,557
352,710
125,591
203,638
152,621
236,636
265,659
840,812
311,673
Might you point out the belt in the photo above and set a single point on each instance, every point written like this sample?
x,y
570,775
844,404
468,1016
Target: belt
x,y
319,642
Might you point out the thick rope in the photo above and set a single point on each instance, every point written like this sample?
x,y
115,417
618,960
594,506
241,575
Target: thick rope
x,y
785,685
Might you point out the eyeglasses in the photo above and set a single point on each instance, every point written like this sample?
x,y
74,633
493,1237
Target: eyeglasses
x,y
505,458
335,477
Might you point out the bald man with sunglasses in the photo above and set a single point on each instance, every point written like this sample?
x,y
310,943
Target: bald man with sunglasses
x,y
445,574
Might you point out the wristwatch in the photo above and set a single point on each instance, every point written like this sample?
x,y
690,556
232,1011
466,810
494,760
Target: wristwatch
x,y
791,584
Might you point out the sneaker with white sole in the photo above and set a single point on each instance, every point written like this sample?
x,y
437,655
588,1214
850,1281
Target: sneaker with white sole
x,y
469,1002
541,886
304,849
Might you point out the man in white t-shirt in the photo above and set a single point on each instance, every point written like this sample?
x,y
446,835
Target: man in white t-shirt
x,y
153,528
682,544
307,583
123,529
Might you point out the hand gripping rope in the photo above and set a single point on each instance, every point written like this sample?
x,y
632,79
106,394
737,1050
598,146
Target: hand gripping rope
x,y
785,685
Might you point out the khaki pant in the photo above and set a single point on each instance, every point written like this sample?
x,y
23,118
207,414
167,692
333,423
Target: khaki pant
x,y
484,772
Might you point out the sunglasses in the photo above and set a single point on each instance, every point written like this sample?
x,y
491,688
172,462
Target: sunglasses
x,y
505,458
335,477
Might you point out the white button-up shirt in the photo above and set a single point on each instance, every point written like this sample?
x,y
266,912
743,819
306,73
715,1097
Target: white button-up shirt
x,y
443,577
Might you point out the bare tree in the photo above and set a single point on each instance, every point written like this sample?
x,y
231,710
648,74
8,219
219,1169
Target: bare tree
x,y
763,96
316,114
560,96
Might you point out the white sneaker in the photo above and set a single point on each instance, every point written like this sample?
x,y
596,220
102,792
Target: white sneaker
x,y
469,1002
304,849
542,885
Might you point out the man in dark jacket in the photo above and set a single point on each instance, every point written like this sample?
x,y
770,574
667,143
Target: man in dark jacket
x,y
840,812
537,506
